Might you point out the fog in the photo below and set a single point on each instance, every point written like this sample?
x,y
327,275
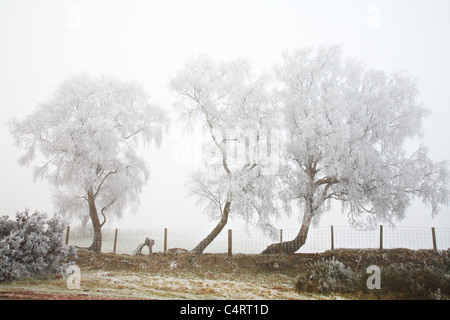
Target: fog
x,y
44,42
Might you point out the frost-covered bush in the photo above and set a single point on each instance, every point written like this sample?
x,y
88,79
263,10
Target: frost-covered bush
x,y
398,280
6,226
409,281
328,276
32,246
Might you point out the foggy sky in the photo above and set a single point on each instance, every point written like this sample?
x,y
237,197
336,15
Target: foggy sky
x,y
44,42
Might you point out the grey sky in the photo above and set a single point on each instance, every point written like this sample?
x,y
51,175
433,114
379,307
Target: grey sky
x,y
43,42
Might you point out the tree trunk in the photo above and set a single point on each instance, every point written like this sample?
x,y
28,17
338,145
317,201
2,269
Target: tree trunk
x,y
84,221
215,232
292,246
97,242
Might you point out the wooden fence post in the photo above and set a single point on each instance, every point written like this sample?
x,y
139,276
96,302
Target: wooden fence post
x,y
165,239
115,240
433,235
67,234
281,241
381,236
230,243
332,237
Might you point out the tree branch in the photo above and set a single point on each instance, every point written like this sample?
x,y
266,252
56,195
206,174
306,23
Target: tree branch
x,y
135,133
103,181
326,180
103,211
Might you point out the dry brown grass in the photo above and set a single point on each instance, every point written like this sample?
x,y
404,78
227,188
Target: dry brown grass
x,y
209,276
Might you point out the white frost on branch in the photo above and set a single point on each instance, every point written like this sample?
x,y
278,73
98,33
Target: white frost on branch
x,y
346,128
83,140
241,163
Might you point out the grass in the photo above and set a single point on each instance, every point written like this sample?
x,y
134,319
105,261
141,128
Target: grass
x,y
246,277
138,285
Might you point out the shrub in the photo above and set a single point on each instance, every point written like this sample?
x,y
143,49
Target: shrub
x,y
408,281
32,246
398,280
328,276
6,226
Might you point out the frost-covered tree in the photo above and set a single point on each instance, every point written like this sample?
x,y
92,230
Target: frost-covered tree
x,y
33,246
241,156
84,141
346,129
84,219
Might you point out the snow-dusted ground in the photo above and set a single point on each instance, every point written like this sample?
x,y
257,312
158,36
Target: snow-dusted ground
x,y
167,276
191,287
139,285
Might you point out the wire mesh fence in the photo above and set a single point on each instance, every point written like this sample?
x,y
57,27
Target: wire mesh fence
x,y
125,241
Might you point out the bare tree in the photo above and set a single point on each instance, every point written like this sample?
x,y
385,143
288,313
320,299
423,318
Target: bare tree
x,y
83,140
